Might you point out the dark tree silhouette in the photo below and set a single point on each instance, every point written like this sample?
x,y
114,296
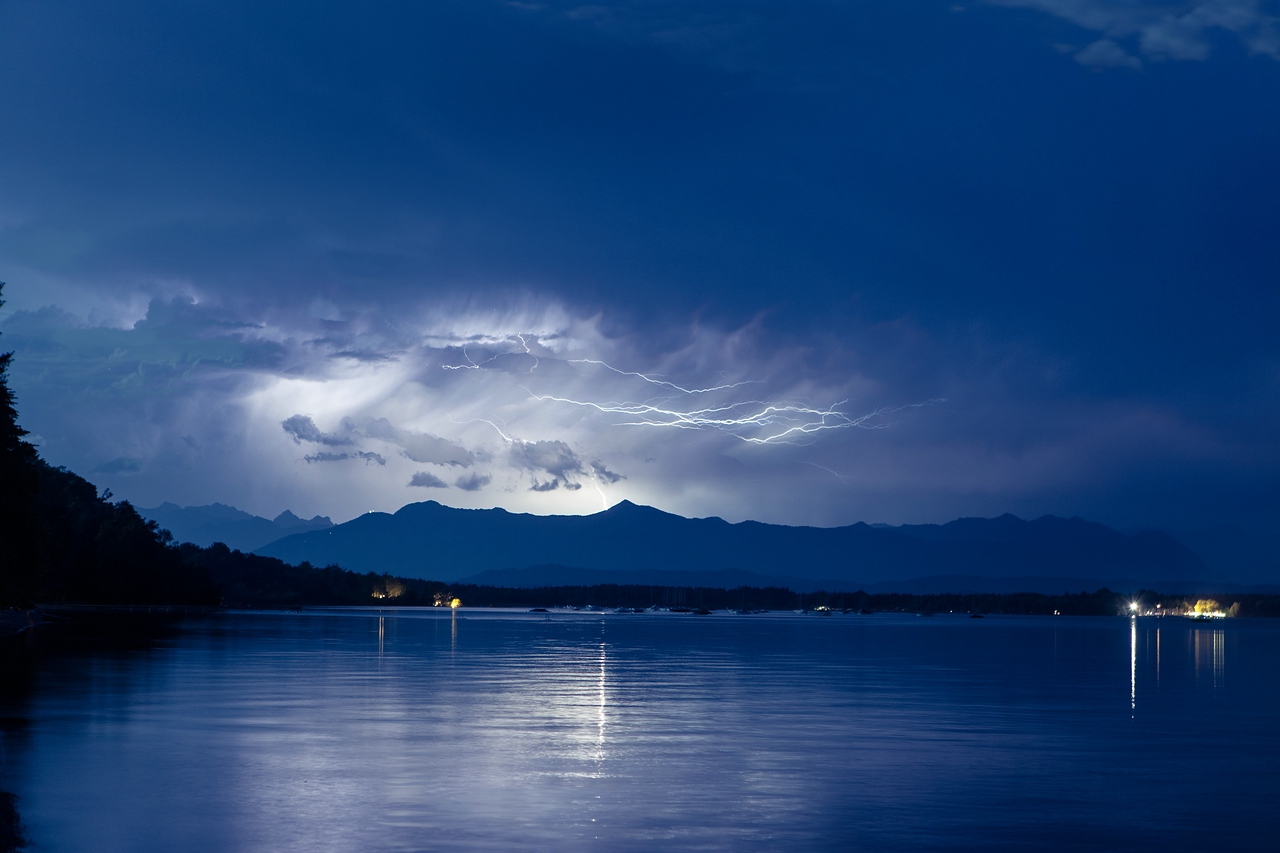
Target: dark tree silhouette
x,y
19,483
61,541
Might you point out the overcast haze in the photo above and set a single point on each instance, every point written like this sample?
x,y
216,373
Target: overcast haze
x,y
803,262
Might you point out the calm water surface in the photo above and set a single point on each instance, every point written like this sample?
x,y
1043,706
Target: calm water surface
x,y
492,730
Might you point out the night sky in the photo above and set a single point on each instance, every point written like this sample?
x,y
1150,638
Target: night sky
x,y
803,262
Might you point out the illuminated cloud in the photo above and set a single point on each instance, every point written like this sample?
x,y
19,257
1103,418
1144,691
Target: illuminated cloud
x,y
234,425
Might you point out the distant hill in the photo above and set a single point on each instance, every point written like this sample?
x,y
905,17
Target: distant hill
x,y
1235,553
542,576
534,577
204,525
428,540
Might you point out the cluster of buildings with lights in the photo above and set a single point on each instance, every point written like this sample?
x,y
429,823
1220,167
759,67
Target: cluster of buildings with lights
x,y
1204,608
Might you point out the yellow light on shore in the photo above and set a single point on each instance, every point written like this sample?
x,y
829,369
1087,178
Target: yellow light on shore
x,y
456,603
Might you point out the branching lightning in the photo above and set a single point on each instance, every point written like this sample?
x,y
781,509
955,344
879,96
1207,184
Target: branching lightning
x,y
754,421
781,423
663,382
471,365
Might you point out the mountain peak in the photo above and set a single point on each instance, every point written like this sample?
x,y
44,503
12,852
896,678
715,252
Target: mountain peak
x,y
288,521
627,509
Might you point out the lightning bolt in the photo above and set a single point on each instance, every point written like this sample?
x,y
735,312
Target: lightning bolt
x,y
753,421
836,474
595,481
471,365
529,353
783,423
663,382
508,439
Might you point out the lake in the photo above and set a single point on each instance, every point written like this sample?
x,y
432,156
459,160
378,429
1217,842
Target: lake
x,y
367,730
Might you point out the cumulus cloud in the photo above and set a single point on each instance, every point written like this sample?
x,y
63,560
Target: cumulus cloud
x,y
1160,29
302,428
427,480
473,482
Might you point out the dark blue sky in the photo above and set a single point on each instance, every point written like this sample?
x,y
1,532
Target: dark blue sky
x,y
1052,222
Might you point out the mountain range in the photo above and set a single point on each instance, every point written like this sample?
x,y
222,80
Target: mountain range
x,y
204,525
629,543
641,545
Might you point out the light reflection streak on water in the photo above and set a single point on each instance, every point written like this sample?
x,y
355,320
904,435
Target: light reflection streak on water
x,y
603,699
1211,651
1133,665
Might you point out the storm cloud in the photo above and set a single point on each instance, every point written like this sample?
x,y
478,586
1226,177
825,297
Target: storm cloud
x,y
706,248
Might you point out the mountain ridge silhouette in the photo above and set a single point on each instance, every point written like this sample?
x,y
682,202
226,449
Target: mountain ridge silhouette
x,y
429,540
